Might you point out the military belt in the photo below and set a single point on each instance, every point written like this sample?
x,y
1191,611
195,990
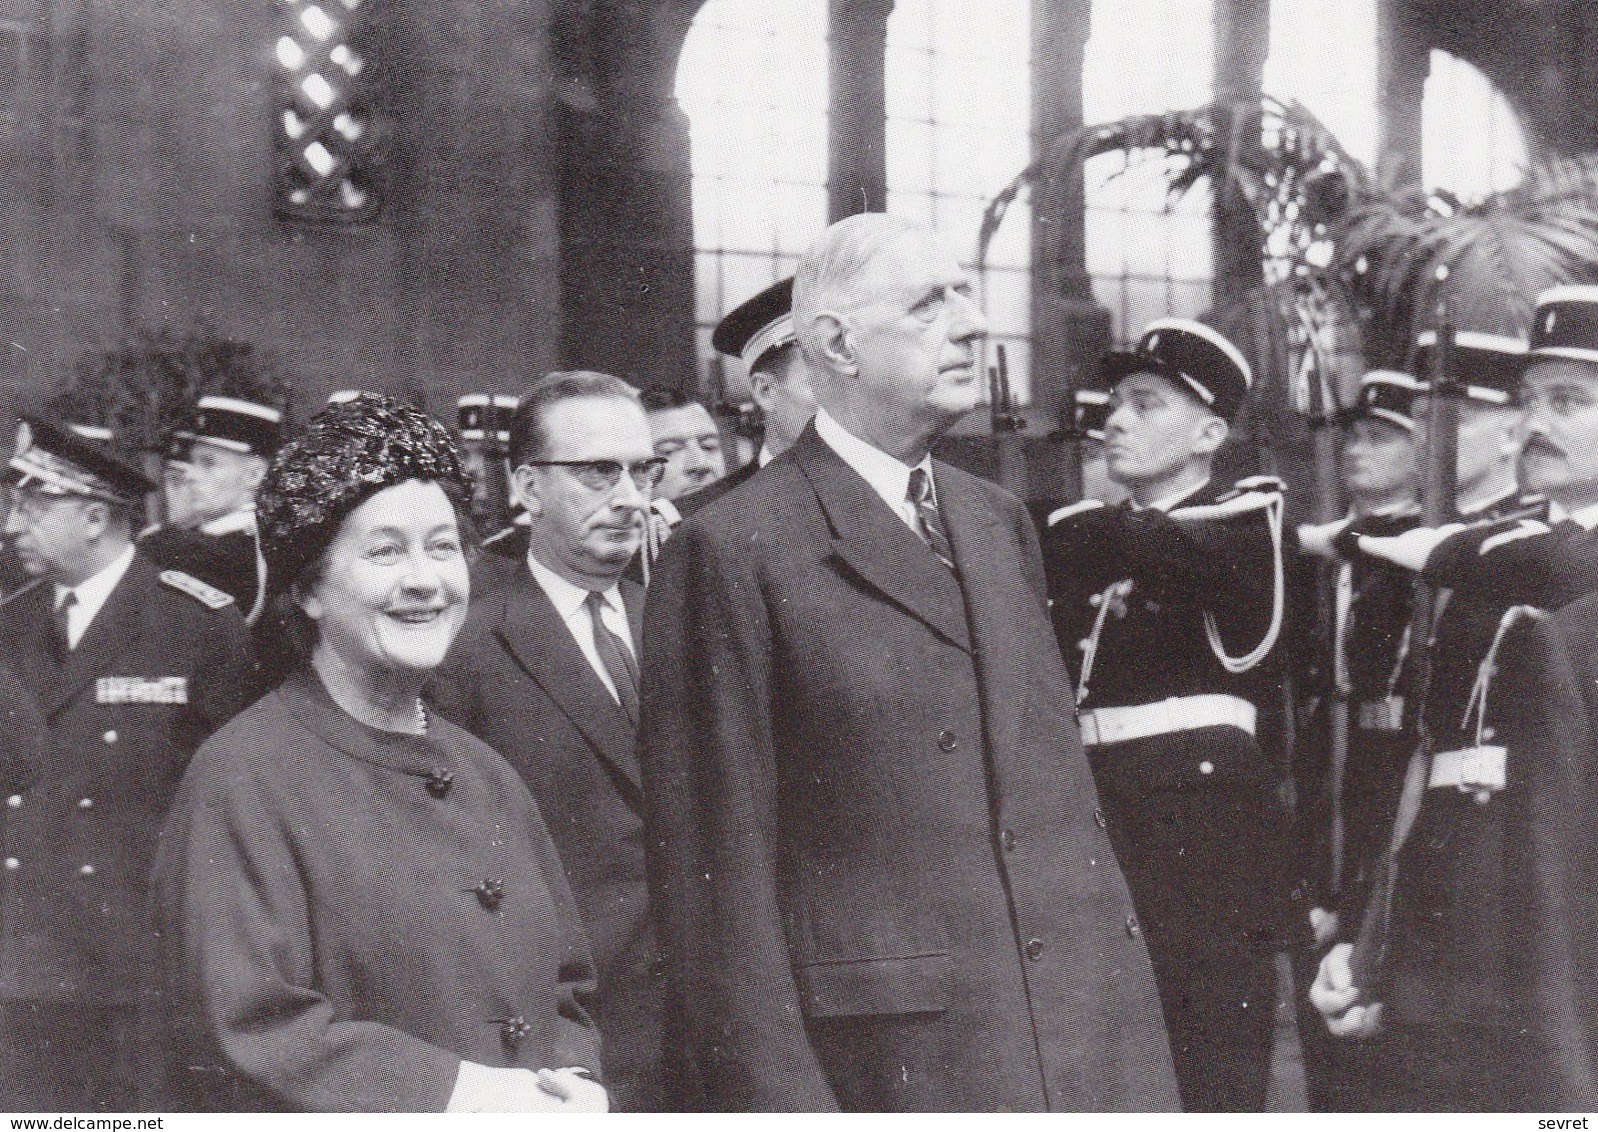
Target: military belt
x,y
1179,713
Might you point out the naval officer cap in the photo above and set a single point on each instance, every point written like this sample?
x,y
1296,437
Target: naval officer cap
x,y
62,459
1387,395
233,423
1487,365
1090,412
1565,325
758,326
1195,357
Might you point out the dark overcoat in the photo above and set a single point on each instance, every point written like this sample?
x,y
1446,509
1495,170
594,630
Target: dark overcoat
x,y
516,679
877,861
348,913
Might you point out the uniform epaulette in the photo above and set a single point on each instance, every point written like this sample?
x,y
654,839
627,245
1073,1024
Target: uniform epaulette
x,y
1070,509
198,590
1270,485
1523,528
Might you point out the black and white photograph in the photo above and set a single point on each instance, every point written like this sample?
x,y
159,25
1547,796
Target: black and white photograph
x,y
798,556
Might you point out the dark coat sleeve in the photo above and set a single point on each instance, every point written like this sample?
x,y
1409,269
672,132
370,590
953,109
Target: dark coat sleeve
x,y
709,773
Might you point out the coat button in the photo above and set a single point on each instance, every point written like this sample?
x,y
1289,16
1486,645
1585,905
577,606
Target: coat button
x,y
439,781
1099,819
1206,767
490,894
1034,948
110,736
15,801
86,870
85,803
1133,928
1007,839
946,741
13,864
514,1030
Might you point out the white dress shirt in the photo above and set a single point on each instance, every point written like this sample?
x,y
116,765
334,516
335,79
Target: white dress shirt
x,y
888,477
234,521
91,595
571,602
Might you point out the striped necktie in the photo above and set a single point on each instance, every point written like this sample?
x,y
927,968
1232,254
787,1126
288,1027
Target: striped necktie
x,y
616,657
932,532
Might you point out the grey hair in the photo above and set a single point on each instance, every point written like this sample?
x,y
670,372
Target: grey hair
x,y
831,274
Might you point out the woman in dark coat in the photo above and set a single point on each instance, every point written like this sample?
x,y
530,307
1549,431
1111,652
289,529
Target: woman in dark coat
x,y
361,907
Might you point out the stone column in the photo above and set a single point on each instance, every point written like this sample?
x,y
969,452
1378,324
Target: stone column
x,y
1403,60
1242,38
857,175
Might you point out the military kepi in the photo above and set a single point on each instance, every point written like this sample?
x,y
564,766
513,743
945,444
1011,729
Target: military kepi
x,y
757,326
1487,365
235,424
1388,395
56,460
1193,355
1565,325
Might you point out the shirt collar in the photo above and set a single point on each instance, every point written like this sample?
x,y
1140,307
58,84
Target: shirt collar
x,y
233,522
569,599
888,477
764,458
93,591
1585,517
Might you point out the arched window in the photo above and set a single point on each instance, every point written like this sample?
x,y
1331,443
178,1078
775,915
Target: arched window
x,y
1324,56
959,114
752,79
1471,140
1146,259
322,131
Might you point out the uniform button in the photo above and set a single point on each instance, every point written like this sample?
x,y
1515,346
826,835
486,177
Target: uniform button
x,y
1096,600
1034,948
1082,645
13,863
1488,734
946,741
1206,767
490,894
514,1030
86,870
1098,818
439,781
1007,839
15,801
85,803
110,736
1133,928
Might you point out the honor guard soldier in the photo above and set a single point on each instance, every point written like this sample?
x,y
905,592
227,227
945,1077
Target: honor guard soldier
x,y
1447,970
1169,605
223,452
760,333
131,668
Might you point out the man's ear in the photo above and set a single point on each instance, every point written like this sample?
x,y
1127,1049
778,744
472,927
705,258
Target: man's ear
x,y
255,471
96,518
761,383
1211,434
836,340
524,486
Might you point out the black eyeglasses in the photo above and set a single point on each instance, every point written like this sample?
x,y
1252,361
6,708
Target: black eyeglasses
x,y
604,475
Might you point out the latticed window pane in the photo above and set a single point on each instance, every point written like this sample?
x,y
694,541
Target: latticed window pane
x,y
323,129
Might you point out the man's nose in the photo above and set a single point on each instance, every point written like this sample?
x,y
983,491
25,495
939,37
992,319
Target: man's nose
x,y
967,321
15,523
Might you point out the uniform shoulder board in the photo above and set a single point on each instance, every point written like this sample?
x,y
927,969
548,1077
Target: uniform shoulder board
x,y
1525,528
1070,509
198,590
1268,484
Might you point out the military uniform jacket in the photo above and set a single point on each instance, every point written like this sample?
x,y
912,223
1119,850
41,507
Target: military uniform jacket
x,y
228,561
155,673
349,913
874,857
516,679
1453,950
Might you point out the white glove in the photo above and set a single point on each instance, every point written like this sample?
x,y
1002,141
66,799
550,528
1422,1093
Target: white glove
x,y
1323,925
1337,998
1410,549
1317,538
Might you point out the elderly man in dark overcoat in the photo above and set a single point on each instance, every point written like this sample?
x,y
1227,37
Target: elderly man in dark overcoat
x,y
878,866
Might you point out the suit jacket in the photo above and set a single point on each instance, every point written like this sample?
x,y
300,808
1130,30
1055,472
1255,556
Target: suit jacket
x,y
156,672
516,679
878,867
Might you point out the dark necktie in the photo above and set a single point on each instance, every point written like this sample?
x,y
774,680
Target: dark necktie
x,y
616,657
63,639
932,531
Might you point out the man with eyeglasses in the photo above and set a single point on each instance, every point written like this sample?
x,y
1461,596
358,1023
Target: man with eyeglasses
x,y
131,668
546,672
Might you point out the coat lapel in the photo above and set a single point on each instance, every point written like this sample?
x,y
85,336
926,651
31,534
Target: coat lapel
x,y
115,630
994,581
532,630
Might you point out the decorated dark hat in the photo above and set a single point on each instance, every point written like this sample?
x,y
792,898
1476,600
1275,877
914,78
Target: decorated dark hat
x,y
62,459
1566,324
1091,412
1489,365
1193,355
235,424
1387,395
348,453
757,326
479,414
